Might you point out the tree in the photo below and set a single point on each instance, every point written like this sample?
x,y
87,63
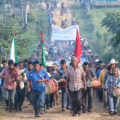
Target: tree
x,y
112,22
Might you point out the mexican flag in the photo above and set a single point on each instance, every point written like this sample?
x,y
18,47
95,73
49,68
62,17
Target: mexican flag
x,y
13,52
42,60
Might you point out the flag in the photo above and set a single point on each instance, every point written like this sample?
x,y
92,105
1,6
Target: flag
x,y
42,60
77,52
13,51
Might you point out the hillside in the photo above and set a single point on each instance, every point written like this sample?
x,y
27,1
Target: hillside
x,y
91,28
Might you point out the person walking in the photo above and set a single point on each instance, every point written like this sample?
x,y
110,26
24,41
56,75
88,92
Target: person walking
x,y
39,77
10,76
75,77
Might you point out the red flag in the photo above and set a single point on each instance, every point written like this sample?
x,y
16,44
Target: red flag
x,y
78,51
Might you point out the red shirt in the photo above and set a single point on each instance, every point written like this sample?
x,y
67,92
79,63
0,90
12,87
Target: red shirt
x,y
10,77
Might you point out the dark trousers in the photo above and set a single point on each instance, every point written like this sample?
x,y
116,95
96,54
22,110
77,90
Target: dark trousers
x,y
47,101
88,93
100,94
76,100
19,97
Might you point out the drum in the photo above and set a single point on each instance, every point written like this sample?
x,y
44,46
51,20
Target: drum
x,y
96,83
61,83
51,86
116,92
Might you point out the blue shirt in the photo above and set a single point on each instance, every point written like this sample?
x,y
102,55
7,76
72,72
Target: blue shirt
x,y
111,81
98,73
33,76
54,72
84,59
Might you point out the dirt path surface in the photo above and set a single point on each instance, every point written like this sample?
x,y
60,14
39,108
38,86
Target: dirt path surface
x,y
55,113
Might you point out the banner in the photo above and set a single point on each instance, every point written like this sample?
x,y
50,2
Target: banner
x,y
64,34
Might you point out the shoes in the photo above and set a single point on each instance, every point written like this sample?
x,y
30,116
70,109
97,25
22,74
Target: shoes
x,y
47,107
115,113
6,109
74,114
63,109
10,110
89,110
111,113
79,113
20,109
36,116
84,111
68,108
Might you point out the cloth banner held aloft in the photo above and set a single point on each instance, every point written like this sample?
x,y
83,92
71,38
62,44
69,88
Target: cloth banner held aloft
x,y
64,34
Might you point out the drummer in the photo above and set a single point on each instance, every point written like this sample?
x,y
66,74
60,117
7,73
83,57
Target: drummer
x,y
56,76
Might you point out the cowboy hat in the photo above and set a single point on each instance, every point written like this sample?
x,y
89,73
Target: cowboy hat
x,y
112,61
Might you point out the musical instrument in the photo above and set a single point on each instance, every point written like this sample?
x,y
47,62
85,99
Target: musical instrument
x,y
51,86
94,83
61,83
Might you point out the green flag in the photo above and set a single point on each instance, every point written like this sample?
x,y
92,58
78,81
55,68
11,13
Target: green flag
x,y
43,61
13,51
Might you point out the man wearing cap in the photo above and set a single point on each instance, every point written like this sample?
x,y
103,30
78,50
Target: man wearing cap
x,y
113,63
10,76
76,82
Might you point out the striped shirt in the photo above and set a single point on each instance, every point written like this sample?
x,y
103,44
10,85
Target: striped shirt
x,y
75,78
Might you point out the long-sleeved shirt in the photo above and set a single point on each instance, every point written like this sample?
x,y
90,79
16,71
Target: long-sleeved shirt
x,y
110,82
10,77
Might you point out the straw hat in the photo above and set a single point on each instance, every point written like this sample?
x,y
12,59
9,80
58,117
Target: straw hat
x,y
112,61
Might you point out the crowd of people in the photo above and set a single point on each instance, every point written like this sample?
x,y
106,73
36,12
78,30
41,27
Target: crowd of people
x,y
27,79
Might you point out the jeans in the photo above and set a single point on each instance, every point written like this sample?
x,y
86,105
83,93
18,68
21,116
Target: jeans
x,y
113,103
9,97
19,98
38,100
63,98
76,100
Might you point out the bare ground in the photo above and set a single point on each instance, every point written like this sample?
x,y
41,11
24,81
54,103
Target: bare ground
x,y
55,113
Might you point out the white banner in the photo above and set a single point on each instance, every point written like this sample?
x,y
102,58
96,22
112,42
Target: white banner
x,y
64,34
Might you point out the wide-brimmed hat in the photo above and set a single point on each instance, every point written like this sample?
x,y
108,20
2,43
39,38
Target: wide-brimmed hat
x,y
49,64
112,61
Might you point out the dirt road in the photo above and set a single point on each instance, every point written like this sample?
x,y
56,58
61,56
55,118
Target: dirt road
x,y
55,113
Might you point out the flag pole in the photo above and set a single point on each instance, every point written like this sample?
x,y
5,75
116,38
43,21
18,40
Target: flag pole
x,y
41,43
42,61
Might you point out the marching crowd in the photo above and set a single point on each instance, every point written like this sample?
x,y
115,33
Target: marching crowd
x,y
27,79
